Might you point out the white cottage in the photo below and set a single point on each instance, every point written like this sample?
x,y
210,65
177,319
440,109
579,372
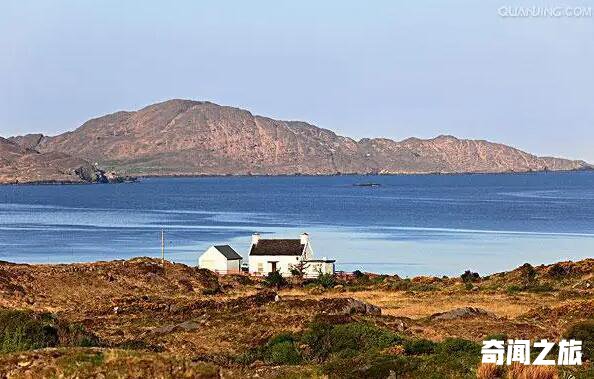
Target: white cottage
x,y
269,255
221,258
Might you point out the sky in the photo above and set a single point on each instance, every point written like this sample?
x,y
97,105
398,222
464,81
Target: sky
x,y
390,69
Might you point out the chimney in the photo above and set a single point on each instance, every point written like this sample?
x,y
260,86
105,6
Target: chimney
x,y
255,238
304,238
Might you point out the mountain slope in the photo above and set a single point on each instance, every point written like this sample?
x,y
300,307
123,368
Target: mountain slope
x,y
24,165
184,137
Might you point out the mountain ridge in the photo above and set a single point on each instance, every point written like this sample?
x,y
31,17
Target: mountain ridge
x,y
187,137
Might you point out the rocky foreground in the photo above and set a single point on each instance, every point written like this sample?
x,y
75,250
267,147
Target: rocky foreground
x,y
139,319
184,137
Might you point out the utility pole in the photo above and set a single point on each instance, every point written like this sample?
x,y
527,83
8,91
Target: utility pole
x,y
163,248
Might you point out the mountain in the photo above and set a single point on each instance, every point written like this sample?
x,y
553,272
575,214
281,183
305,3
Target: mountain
x,y
19,164
184,137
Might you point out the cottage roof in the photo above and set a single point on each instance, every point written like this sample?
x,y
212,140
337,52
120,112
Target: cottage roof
x,y
228,252
277,247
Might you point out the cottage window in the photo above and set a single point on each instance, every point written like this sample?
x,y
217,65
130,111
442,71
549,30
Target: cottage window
x,y
260,267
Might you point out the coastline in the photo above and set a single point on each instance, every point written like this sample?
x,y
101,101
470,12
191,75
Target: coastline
x,y
135,178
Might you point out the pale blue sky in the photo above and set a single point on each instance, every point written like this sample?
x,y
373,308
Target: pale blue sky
x,y
364,69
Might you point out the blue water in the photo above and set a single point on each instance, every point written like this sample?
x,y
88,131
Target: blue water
x,y
435,224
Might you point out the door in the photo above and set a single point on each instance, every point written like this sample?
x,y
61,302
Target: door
x,y
273,266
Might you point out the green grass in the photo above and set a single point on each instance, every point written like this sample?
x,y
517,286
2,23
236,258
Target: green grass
x,y
22,330
361,349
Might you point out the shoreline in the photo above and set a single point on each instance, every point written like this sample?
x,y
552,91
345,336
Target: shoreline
x,y
137,178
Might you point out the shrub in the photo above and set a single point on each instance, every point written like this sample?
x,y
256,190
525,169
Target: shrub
x,y
583,331
275,279
419,346
283,353
281,350
348,339
24,330
358,274
540,288
528,274
326,280
469,276
558,271
513,289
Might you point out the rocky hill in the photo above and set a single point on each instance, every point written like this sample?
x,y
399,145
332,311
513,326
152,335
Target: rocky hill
x,y
183,137
19,164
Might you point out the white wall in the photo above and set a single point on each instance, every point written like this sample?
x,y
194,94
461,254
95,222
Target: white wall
x,y
283,265
213,260
314,269
234,266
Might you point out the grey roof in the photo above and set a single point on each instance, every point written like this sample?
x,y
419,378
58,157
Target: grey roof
x,y
228,252
277,247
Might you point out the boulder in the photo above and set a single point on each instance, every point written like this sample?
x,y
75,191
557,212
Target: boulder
x,y
352,306
464,312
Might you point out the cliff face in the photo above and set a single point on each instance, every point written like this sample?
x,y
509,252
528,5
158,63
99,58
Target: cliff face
x,y
19,164
183,137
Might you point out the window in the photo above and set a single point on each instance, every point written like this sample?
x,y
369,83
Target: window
x,y
260,267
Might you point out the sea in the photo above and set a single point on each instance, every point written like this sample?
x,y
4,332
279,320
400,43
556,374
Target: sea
x,y
407,225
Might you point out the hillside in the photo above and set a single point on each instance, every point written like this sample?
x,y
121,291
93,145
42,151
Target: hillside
x,y
19,164
137,318
183,137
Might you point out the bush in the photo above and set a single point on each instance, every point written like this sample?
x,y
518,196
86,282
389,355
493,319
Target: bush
x,y
326,280
528,274
513,289
283,353
583,331
24,330
469,276
358,274
558,271
275,279
419,346
346,339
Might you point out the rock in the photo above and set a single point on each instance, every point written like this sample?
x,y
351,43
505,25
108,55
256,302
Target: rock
x,y
188,326
465,312
276,298
164,329
185,326
352,306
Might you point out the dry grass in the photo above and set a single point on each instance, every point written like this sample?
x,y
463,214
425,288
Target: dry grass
x,y
419,305
518,371
489,371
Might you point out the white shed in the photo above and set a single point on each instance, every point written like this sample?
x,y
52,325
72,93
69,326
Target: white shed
x,y
222,259
317,267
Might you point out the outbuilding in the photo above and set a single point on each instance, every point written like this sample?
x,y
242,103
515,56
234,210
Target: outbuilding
x,y
221,259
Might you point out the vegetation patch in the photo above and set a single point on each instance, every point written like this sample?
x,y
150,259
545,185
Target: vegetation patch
x,y
25,330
